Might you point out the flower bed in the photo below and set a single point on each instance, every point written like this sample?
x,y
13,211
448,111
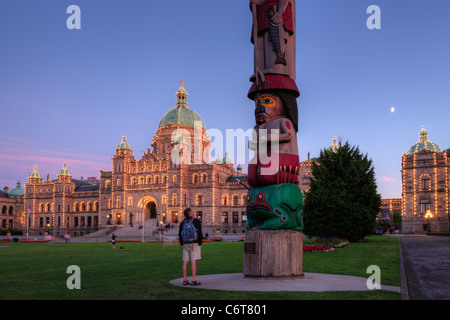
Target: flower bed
x,y
316,249
334,242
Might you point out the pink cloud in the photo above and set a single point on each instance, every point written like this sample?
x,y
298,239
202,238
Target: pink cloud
x,y
391,180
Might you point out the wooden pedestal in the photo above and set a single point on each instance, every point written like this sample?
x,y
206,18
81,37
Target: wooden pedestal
x,y
273,253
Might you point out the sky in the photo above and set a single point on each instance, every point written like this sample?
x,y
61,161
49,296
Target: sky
x,y
68,96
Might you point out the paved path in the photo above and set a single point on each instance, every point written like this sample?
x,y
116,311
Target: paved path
x,y
427,266
316,282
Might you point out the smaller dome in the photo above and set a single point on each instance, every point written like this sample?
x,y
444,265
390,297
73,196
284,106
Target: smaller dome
x,y
334,147
35,174
219,160
423,144
18,191
64,171
124,144
227,159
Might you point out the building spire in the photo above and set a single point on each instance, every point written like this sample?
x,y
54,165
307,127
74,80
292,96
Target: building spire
x,y
182,97
423,135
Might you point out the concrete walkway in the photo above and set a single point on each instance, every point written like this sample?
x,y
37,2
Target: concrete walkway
x,y
427,266
312,282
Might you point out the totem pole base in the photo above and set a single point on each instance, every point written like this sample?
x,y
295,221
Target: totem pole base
x,y
273,253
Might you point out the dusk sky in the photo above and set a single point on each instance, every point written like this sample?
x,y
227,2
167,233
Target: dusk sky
x,y
68,96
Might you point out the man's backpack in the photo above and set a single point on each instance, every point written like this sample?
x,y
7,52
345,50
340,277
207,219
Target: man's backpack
x,y
189,231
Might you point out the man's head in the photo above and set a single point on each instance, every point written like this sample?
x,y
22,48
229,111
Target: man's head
x,y
188,213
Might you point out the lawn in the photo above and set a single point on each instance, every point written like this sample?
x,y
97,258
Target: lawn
x,y
143,270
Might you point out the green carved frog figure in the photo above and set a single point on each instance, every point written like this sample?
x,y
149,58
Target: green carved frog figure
x,y
274,207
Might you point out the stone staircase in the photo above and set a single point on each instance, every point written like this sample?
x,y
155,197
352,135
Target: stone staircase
x,y
150,231
134,233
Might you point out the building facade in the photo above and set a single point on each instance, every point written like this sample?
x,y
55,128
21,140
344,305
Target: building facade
x,y
61,206
173,174
425,187
11,205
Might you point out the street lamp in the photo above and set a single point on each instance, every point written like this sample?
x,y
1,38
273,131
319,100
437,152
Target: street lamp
x,y
428,216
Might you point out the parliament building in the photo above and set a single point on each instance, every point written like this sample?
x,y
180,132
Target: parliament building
x,y
153,190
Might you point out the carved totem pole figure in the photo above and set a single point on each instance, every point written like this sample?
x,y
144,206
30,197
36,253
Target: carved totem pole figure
x,y
274,200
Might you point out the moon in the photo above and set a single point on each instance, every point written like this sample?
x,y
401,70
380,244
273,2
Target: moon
x,y
392,109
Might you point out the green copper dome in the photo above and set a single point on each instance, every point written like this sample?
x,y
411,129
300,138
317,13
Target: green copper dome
x,y
35,174
64,171
424,144
124,144
181,115
227,159
17,191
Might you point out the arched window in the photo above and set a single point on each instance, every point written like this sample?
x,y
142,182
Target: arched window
x,y
110,203
130,201
4,209
235,200
225,200
41,207
174,179
107,184
141,180
89,206
199,199
195,178
47,207
164,178
11,211
96,206
149,179
118,182
156,179
204,178
174,199
244,199
83,206
75,207
164,199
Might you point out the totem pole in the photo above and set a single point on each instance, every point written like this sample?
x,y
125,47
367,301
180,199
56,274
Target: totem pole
x,y
274,201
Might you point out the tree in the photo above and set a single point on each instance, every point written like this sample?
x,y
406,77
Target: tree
x,y
342,199
397,217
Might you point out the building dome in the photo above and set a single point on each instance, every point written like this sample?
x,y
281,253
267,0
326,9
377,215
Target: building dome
x,y
334,147
35,174
424,144
18,191
227,159
124,144
181,115
64,171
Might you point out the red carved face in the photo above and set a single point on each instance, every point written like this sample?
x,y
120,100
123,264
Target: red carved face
x,y
267,107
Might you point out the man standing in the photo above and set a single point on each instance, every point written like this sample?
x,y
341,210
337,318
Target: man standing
x,y
114,240
190,236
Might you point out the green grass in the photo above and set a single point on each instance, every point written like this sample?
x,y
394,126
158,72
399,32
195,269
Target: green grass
x,y
143,270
